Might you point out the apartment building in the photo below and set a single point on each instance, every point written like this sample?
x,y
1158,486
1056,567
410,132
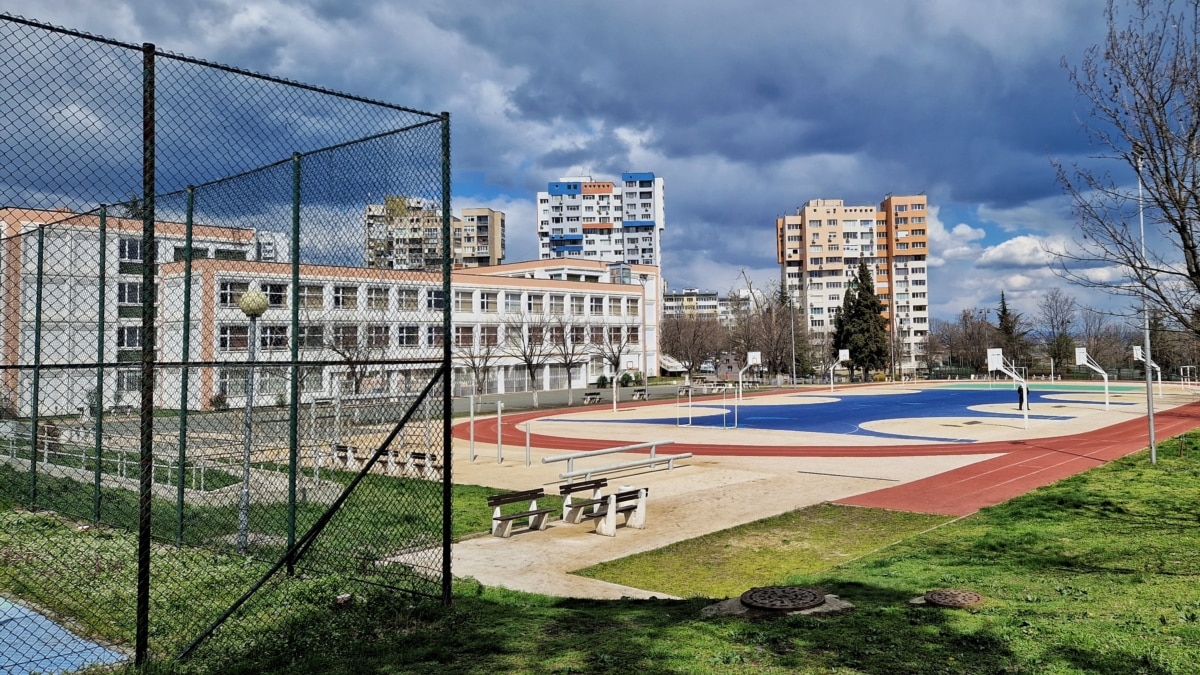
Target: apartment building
x,y
405,233
604,221
359,331
819,247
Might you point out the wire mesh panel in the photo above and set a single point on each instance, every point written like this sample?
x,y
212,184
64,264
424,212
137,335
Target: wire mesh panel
x,y
224,374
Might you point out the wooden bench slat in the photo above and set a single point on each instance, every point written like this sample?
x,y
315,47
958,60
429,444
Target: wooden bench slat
x,y
513,497
593,484
523,514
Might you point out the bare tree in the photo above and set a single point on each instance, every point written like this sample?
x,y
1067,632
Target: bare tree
x,y
1057,314
1143,85
526,339
478,354
567,347
613,342
1106,341
360,357
692,339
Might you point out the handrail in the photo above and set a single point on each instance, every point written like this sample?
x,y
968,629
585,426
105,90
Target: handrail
x,y
570,459
587,473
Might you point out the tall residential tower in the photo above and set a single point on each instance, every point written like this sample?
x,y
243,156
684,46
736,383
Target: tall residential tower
x,y
819,247
605,221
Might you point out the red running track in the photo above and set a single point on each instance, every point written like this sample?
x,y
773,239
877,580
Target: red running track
x,y
1022,466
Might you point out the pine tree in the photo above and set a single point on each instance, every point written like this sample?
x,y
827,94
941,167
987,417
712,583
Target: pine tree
x,y
867,329
841,331
1013,333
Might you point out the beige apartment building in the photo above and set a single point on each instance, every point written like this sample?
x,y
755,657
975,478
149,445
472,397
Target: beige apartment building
x,y
819,248
405,233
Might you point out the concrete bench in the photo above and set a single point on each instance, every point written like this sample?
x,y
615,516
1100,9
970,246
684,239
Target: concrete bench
x,y
641,394
502,524
629,503
423,465
591,397
573,509
344,455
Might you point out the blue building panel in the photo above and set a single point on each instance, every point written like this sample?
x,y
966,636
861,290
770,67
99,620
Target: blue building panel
x,y
637,176
565,238
567,249
564,188
637,223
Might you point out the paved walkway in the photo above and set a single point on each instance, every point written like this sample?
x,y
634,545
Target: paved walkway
x,y
766,474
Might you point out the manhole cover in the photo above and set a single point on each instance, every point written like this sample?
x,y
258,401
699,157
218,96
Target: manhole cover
x,y
783,597
949,597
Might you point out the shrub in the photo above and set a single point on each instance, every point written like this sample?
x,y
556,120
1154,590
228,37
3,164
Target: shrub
x,y
602,382
219,402
626,379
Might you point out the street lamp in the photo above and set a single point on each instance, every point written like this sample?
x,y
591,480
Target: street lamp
x,y
252,304
1145,318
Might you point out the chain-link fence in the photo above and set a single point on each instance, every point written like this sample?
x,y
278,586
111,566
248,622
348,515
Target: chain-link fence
x,y
217,391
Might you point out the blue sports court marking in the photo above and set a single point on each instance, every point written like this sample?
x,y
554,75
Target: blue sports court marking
x,y
31,643
846,414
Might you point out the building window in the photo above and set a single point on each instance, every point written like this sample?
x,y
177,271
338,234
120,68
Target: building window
x,y
272,338
577,305
596,335
312,337
597,306
312,297
345,297
231,292
129,293
488,303
233,338
406,298
577,335
489,335
534,304
635,336
276,294
464,336
377,297
632,306
129,337
407,336
378,337
130,250
434,336
435,299
614,307
129,380
512,303
464,301
345,337
556,305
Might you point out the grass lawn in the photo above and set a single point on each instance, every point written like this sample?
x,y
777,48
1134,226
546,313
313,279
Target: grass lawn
x,y
1095,574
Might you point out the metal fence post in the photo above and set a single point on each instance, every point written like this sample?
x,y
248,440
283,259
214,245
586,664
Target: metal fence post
x,y
97,399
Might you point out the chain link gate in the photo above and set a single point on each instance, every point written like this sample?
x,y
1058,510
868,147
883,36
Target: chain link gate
x,y
213,397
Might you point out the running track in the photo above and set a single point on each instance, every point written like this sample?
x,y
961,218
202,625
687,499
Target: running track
x,y
1022,466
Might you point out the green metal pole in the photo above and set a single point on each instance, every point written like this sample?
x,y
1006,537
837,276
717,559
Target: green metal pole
x,y
447,411
149,302
294,408
99,397
185,357
35,397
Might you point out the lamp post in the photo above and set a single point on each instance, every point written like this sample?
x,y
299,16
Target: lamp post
x,y
252,304
792,322
643,278
1146,320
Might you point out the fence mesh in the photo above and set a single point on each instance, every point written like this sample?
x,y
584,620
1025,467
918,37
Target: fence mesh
x,y
219,392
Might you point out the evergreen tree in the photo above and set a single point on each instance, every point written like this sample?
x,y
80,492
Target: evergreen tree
x,y
841,331
1014,335
865,325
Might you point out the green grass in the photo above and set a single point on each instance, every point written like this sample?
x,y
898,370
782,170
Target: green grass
x,y
1095,574
726,563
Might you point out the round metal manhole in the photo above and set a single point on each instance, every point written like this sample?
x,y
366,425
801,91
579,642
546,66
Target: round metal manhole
x,y
783,597
949,597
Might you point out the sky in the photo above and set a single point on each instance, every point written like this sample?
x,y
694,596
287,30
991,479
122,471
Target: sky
x,y
747,109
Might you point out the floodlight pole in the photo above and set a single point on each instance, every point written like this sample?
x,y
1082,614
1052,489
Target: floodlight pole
x,y
1146,320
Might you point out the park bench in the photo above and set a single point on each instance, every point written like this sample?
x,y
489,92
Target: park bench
x,y
423,465
573,508
344,455
502,524
590,397
640,394
629,503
